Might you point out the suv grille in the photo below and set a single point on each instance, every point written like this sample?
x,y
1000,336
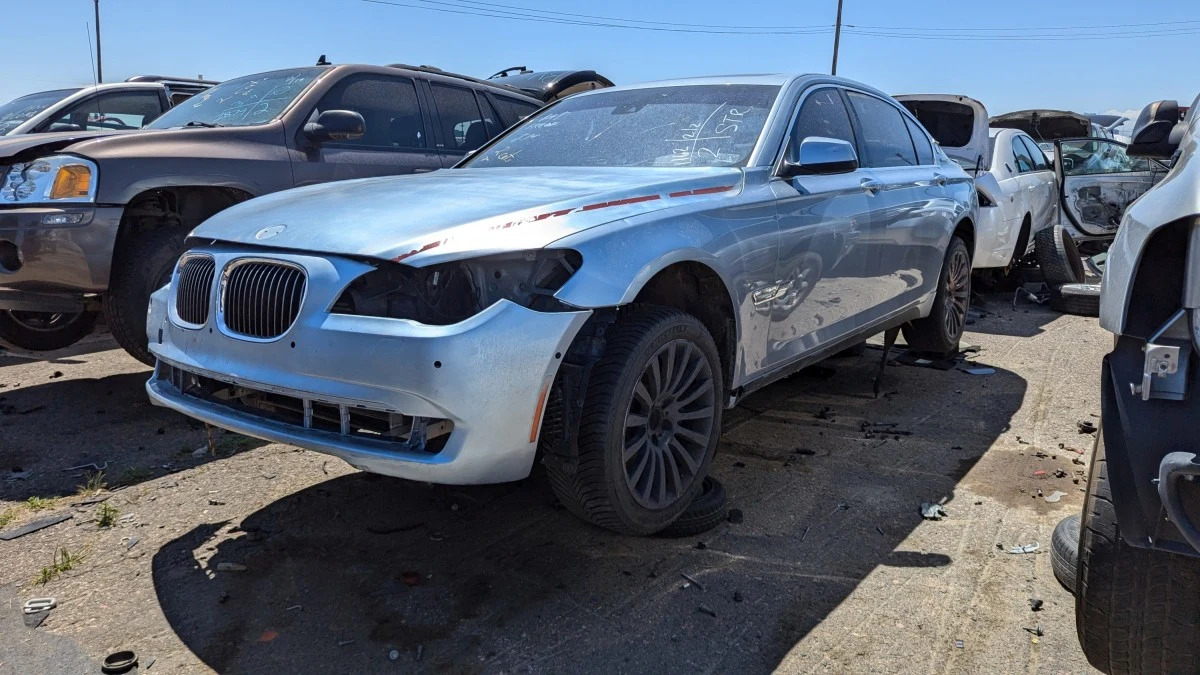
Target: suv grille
x,y
193,288
261,299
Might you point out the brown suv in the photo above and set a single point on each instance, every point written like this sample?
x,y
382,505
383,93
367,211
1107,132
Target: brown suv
x,y
98,223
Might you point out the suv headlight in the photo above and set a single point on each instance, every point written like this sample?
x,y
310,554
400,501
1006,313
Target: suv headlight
x,y
54,179
450,292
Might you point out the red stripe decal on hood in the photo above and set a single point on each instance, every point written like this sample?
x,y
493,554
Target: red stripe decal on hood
x,y
703,191
426,247
620,202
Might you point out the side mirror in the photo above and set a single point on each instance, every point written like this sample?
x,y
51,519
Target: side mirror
x,y
819,155
1158,131
336,125
64,126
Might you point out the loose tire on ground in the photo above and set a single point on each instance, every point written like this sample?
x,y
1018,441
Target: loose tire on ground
x,y
143,266
639,421
940,332
1136,610
1064,551
1058,256
707,510
1078,299
44,331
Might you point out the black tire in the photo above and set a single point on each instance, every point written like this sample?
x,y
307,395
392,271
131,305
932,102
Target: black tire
x,y
610,485
1078,299
1058,256
706,511
1064,551
1136,610
940,332
143,266
44,331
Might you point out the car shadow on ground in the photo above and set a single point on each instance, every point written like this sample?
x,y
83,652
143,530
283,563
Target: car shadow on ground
x,y
828,482
995,313
59,432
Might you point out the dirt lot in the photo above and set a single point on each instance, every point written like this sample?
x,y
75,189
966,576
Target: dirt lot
x,y
831,570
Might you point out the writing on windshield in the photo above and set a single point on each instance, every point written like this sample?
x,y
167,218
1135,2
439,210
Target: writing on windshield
x,y
677,126
18,111
246,101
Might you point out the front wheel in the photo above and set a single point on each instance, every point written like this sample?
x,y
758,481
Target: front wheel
x,y
45,331
650,424
940,332
145,266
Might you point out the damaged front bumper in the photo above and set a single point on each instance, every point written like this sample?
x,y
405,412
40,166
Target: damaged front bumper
x,y
455,404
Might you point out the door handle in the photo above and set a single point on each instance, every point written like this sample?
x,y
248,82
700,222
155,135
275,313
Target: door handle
x,y
939,179
871,186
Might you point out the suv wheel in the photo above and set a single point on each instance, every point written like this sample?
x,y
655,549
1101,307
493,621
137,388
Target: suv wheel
x,y
44,331
1136,610
145,265
650,424
940,332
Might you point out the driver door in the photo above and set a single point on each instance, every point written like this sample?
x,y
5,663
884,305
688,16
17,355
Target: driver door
x,y
1097,180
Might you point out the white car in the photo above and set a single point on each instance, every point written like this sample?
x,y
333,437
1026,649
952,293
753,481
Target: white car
x,y
1018,190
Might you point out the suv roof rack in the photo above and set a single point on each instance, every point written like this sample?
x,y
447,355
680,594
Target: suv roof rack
x,y
438,71
171,80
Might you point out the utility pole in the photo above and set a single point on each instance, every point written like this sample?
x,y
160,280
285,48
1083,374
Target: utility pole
x,y
837,36
100,67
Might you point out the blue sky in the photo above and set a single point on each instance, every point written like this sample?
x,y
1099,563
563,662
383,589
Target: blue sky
x,y
47,47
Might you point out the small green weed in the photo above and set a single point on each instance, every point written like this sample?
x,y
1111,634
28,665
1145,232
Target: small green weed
x,y
106,515
63,561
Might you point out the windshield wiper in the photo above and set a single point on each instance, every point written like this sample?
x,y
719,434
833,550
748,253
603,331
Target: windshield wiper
x,y
206,125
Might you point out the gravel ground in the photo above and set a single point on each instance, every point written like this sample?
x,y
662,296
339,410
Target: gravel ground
x,y
831,570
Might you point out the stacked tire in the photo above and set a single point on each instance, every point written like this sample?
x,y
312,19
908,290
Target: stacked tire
x,y
1062,267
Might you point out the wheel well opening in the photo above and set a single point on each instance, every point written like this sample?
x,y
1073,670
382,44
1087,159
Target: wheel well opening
x,y
965,230
1022,243
696,289
176,207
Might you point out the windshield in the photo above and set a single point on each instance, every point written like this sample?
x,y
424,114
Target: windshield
x,y
246,101
18,111
681,126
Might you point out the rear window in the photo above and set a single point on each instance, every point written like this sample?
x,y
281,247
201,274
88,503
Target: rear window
x,y
513,110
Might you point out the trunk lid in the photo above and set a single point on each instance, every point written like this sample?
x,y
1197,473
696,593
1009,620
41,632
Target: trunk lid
x,y
958,123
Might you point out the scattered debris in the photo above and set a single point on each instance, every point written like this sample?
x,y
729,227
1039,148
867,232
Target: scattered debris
x,y
57,374
199,452
880,531
981,370
1035,604
802,537
1036,630
826,413
35,605
17,474
958,644
739,465
931,511
230,567
343,643
1080,462
119,662
706,610
737,596
394,654
34,526
1059,473
420,651
294,608
1087,427
90,501
129,542
93,465
735,516
268,635
700,546
697,584
1055,496
1024,548
215,502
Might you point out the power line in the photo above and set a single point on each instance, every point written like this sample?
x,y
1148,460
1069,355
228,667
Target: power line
x,y
536,18
1023,28
1025,38
642,21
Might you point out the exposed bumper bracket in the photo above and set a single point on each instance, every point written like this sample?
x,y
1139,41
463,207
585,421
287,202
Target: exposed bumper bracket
x,y
1164,374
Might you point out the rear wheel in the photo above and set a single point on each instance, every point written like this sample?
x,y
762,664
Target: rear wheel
x,y
1079,299
650,423
1136,610
145,265
45,331
940,332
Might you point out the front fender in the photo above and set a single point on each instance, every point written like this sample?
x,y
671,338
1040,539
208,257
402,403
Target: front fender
x,y
126,193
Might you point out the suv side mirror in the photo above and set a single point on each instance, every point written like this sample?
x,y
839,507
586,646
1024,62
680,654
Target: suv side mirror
x,y
819,155
336,125
1158,131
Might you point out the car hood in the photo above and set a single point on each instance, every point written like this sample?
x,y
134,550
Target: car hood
x,y
25,146
958,123
455,213
1046,125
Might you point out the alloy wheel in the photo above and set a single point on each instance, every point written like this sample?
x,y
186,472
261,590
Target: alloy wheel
x,y
669,424
958,293
43,321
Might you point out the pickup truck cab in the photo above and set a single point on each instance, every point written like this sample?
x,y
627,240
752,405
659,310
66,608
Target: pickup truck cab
x,y
119,106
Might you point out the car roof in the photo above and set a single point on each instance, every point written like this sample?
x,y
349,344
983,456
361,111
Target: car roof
x,y
781,80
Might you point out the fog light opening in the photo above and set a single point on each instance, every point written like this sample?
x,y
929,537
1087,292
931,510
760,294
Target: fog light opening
x,y
10,256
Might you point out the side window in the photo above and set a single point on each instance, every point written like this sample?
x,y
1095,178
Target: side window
x,y
1040,162
1021,155
388,105
823,114
116,110
513,110
886,141
461,121
1096,156
921,141
491,117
